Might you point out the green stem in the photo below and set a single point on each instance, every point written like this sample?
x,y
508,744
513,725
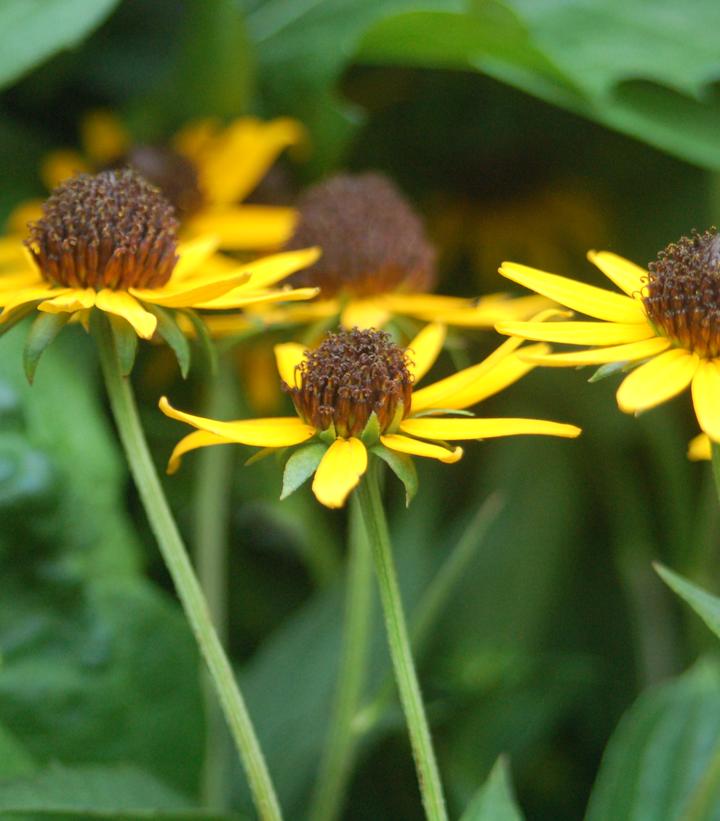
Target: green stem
x,y
716,466
703,798
368,495
211,516
340,746
171,546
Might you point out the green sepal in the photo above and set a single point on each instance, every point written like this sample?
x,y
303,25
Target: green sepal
x,y
402,466
398,416
609,369
168,330
443,411
126,343
371,433
17,315
42,332
328,436
263,453
300,466
208,354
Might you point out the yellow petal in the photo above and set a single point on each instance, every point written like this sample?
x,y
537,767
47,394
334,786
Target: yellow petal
x,y
700,448
61,165
425,348
625,274
15,298
264,433
404,444
657,381
69,302
191,294
485,312
269,270
123,304
194,440
364,313
587,299
192,254
424,305
288,356
706,397
241,298
600,356
453,428
103,137
21,215
339,471
579,333
246,227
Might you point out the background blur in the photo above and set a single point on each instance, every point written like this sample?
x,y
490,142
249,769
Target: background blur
x,y
530,130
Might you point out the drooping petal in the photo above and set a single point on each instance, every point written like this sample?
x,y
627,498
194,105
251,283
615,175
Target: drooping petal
x,y
246,227
706,397
288,355
657,381
123,304
700,448
415,447
587,299
194,440
339,472
364,313
69,302
600,356
264,433
625,274
451,429
579,333
425,348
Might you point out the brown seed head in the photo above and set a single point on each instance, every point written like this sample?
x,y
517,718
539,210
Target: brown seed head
x,y
351,375
372,241
682,297
108,230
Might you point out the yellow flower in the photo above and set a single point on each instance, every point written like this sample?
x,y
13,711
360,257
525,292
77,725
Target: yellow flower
x,y
356,394
377,264
109,242
700,448
207,171
666,320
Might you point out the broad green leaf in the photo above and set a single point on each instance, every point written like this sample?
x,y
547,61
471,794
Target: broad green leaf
x,y
126,343
31,31
402,466
15,761
494,801
300,467
168,329
659,761
42,333
704,604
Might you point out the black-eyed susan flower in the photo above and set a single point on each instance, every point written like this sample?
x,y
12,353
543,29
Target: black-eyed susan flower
x,y
665,326
377,263
109,242
356,394
207,172
700,448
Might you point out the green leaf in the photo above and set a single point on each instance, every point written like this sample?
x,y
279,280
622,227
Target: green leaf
x,y
31,31
168,329
658,760
704,604
17,316
300,467
402,466
126,343
371,434
494,801
208,354
42,332
121,793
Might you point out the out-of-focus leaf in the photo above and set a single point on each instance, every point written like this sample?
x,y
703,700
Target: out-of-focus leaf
x,y
43,331
494,801
15,761
126,342
656,762
704,604
168,329
120,793
33,30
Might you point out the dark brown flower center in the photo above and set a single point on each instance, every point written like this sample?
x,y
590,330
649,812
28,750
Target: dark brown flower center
x,y
172,173
682,297
350,376
372,240
108,230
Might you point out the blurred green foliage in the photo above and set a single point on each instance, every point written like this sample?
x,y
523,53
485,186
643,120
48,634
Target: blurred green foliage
x,y
559,625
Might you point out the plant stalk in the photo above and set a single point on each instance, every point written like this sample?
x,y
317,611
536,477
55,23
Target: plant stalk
x,y
175,555
716,466
368,495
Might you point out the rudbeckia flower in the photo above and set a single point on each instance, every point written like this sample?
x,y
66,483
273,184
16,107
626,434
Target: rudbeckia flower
x,y
665,325
700,448
355,394
377,264
207,172
109,242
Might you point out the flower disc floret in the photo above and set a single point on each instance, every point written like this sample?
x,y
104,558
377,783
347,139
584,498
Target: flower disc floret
x,y
350,376
682,296
109,230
